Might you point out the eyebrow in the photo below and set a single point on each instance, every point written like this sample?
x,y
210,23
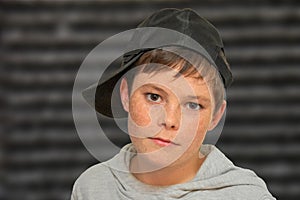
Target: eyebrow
x,y
200,98
156,88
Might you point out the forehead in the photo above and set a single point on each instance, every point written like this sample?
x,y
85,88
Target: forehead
x,y
169,78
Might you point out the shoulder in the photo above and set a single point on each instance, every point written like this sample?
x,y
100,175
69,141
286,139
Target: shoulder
x,y
247,192
95,179
230,180
94,175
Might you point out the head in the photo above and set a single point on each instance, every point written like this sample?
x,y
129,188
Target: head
x,y
179,88
170,26
172,104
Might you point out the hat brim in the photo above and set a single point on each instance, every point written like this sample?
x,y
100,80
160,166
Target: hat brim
x,y
100,95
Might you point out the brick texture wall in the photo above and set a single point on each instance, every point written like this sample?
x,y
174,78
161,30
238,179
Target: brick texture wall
x,y
44,42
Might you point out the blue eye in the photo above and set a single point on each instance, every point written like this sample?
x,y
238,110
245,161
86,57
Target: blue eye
x,y
193,106
153,97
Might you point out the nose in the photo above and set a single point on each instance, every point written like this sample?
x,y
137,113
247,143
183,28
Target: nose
x,y
172,117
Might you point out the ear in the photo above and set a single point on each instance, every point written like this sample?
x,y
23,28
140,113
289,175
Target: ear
x,y
217,116
124,94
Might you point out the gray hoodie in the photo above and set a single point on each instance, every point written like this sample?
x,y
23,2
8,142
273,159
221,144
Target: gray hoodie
x,y
217,178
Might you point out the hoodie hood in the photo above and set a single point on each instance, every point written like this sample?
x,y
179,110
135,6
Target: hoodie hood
x,y
217,178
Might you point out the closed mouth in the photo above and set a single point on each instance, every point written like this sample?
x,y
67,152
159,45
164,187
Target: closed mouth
x,y
162,141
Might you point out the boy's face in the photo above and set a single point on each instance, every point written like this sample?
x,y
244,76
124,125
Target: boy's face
x,y
168,117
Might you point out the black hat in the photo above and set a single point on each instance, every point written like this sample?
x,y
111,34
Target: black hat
x,y
185,21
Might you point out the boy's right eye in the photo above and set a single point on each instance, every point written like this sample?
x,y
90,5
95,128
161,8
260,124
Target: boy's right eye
x,y
153,97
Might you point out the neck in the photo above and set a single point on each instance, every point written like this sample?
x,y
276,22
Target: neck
x,y
170,175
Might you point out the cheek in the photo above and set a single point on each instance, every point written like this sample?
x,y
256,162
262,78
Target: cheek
x,y
139,111
203,126
194,128
204,122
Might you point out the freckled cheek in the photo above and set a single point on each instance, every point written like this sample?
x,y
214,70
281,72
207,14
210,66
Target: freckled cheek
x,y
139,111
204,121
195,129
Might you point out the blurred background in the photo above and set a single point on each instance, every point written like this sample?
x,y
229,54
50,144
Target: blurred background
x,y
43,44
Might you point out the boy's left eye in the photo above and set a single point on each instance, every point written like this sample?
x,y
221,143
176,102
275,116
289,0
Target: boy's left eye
x,y
193,106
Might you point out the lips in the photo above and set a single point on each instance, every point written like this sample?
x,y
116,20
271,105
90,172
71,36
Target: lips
x,y
161,142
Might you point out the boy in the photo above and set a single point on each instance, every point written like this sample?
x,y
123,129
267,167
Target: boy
x,y
173,97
